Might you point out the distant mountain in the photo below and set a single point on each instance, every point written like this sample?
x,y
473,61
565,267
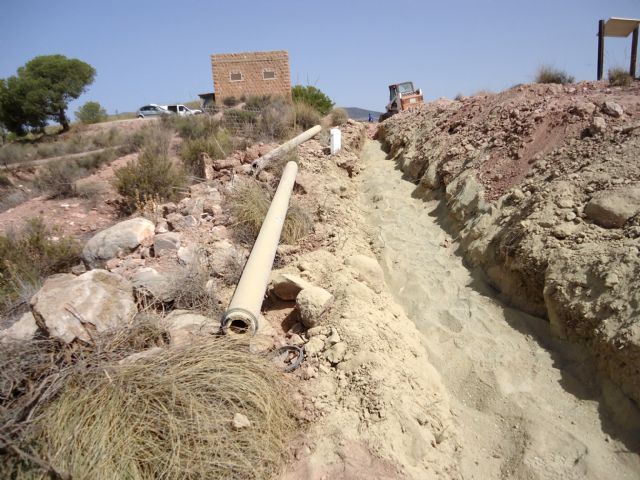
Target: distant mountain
x,y
356,113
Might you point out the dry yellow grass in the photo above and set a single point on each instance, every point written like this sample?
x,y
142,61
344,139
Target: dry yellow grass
x,y
249,205
166,416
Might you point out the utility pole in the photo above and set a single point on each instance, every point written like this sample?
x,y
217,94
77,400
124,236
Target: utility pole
x,y
634,53
600,49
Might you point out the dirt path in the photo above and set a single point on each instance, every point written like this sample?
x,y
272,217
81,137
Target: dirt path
x,y
525,404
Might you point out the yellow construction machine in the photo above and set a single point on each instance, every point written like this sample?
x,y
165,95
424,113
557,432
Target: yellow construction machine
x,y
402,96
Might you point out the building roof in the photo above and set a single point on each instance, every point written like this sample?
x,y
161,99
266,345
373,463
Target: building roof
x,y
620,27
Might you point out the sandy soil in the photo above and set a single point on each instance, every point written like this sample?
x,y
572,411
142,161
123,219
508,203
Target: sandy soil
x,y
517,395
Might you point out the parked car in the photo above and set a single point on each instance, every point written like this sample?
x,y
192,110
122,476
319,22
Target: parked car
x,y
152,110
182,110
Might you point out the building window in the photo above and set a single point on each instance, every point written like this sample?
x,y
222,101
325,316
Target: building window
x,y
268,74
235,77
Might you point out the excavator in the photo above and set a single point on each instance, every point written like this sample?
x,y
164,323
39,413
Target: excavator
x,y
402,96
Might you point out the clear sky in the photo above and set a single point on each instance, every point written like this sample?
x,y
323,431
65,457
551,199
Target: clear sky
x,y
158,50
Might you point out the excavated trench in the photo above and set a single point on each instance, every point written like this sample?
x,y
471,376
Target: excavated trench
x,y
525,404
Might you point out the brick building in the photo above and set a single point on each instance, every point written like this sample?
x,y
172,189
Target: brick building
x,y
250,73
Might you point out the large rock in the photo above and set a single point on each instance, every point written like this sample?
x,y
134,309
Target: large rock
x,y
286,286
166,243
312,302
24,329
613,109
120,238
184,325
613,209
69,307
148,281
180,223
369,271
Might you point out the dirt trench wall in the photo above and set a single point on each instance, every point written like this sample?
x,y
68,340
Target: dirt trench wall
x,y
517,171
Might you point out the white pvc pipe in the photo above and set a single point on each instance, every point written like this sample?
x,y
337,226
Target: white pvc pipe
x,y
261,162
244,309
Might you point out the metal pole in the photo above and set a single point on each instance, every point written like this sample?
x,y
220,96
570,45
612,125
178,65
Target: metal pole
x,y
262,162
634,53
600,49
244,308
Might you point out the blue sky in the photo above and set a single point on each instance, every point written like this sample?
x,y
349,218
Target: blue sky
x,y
158,51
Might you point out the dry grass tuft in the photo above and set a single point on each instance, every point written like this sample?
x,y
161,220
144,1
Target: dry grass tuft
x,y
619,77
168,415
549,74
248,206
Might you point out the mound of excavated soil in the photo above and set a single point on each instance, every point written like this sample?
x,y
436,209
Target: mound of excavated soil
x,y
544,184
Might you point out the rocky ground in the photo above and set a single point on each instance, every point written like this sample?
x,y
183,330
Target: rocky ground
x,y
373,404
544,185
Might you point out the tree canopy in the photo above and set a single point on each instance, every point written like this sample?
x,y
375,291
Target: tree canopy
x,y
91,112
312,96
42,90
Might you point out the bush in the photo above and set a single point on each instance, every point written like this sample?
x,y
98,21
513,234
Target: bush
x,y
152,176
338,116
237,118
248,206
91,112
549,74
306,116
215,145
58,179
619,77
164,416
312,96
276,121
230,101
257,102
193,126
27,257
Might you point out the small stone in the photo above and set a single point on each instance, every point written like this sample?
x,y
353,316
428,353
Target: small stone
x,y
312,302
319,330
240,421
24,329
165,243
296,339
314,346
180,223
333,338
286,286
309,372
598,126
162,227
186,255
570,216
336,353
78,269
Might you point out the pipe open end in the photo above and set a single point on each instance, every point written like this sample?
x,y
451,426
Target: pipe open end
x,y
239,322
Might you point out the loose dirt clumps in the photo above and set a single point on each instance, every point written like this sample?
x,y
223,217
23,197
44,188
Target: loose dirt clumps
x,y
542,183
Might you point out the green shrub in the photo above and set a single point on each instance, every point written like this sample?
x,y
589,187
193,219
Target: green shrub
x,y
152,176
306,116
276,121
215,145
230,101
549,74
91,112
58,179
4,181
235,118
257,102
619,77
193,126
312,96
27,257
338,116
